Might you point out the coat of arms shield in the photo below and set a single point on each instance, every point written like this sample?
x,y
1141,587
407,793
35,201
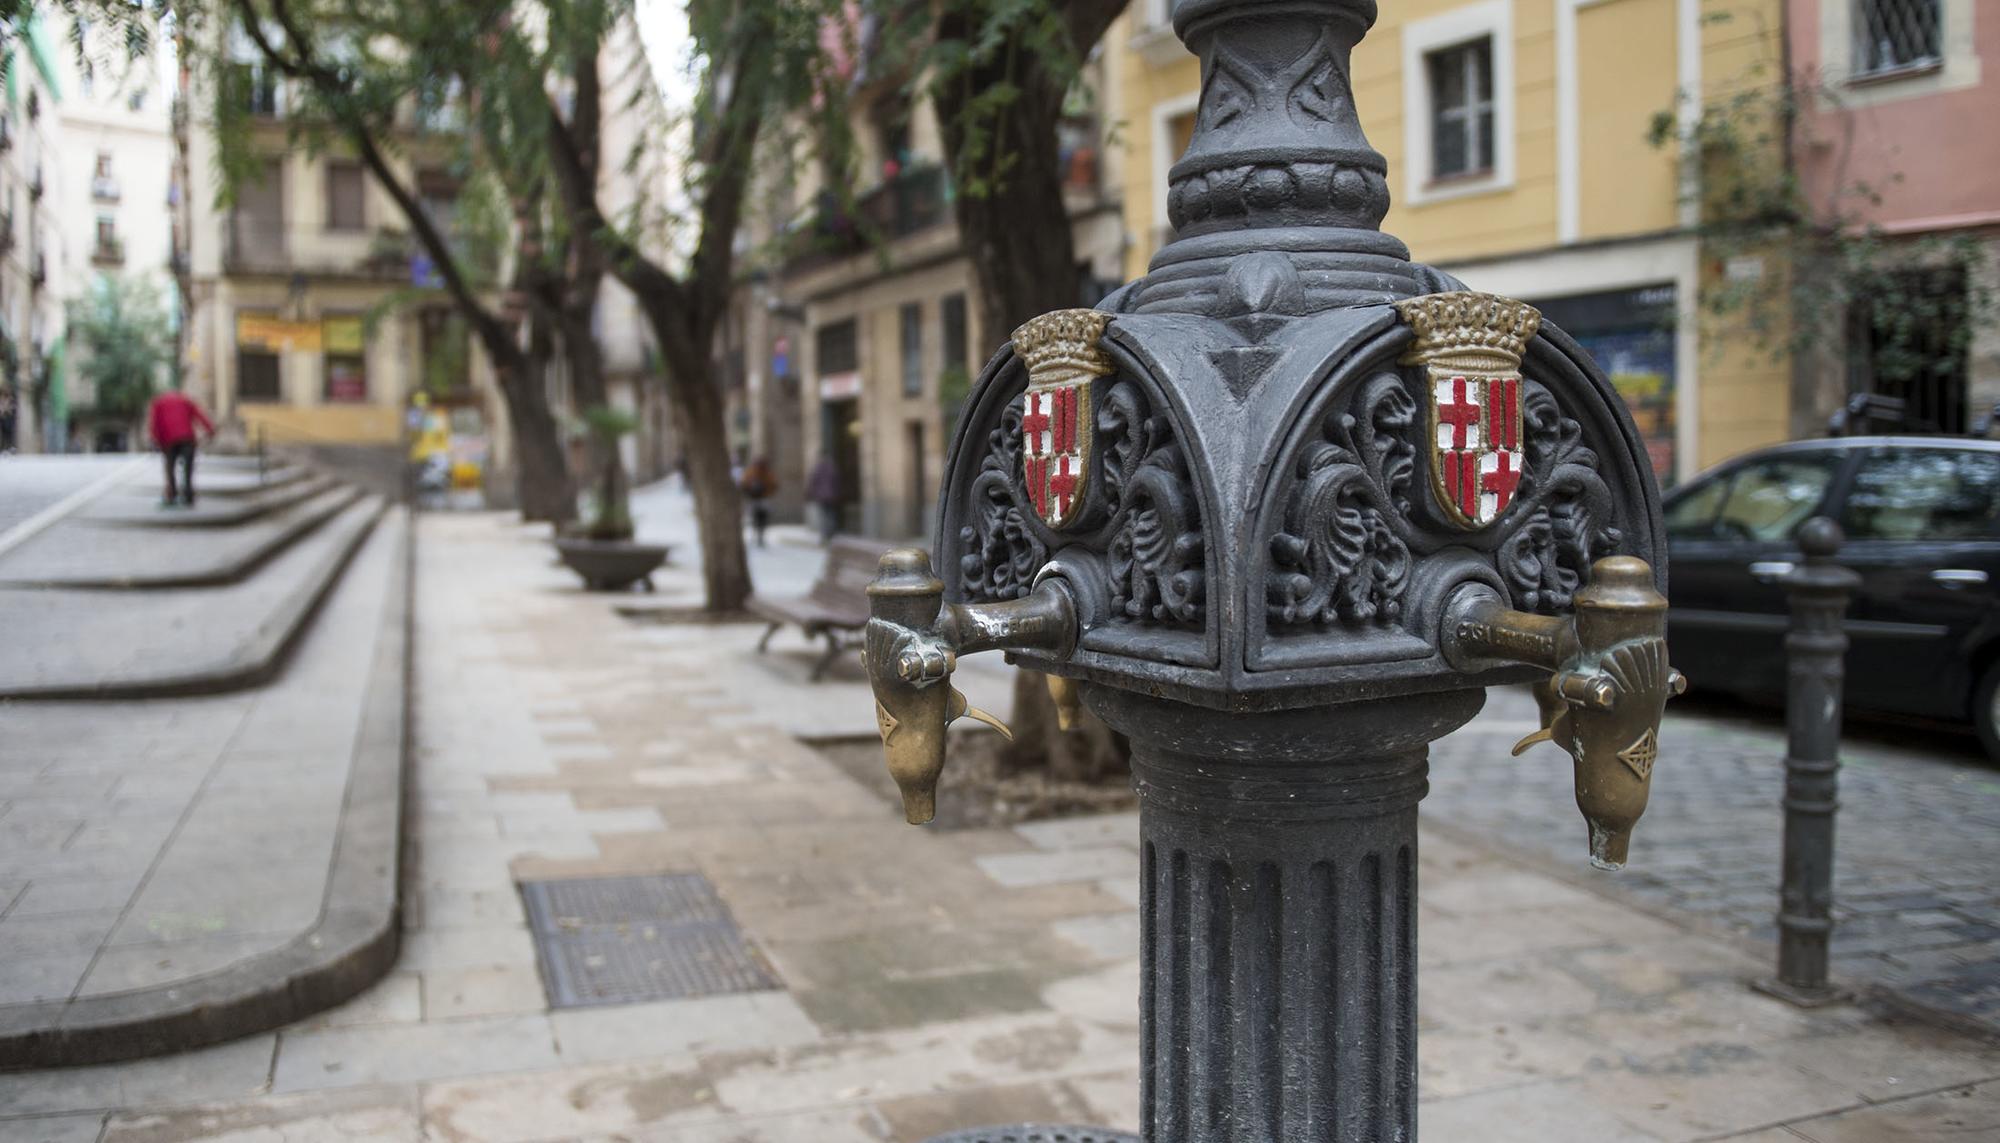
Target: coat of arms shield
x,y
1470,346
1063,359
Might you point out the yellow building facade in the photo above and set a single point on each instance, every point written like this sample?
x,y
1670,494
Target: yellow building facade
x,y
1518,138
315,318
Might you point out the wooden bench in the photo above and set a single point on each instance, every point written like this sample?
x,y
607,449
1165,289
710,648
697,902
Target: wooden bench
x,y
836,609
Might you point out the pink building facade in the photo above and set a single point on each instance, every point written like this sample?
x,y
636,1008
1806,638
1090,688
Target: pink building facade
x,y
1907,101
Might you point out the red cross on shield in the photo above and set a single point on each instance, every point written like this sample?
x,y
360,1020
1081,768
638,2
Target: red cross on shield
x,y
1055,449
1477,459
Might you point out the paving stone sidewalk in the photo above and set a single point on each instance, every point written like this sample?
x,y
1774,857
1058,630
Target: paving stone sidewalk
x,y
929,980
1917,851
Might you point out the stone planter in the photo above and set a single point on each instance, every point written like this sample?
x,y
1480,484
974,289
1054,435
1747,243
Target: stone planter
x,y
611,565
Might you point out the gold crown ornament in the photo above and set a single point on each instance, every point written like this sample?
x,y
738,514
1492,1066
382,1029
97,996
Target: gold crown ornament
x,y
1471,330
1062,346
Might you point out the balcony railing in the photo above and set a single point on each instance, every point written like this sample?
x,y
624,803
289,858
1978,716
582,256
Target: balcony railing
x,y
104,188
108,252
912,202
35,184
255,246
38,269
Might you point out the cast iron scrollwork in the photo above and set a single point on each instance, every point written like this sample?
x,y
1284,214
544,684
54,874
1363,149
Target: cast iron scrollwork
x,y
1340,557
1156,539
1002,552
1558,524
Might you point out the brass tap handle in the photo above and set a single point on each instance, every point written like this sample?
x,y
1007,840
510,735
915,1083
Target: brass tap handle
x,y
1608,685
911,646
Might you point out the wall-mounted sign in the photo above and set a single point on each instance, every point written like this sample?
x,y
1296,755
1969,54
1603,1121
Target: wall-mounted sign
x,y
268,331
840,386
343,335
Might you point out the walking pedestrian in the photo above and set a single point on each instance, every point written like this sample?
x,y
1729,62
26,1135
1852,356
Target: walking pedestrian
x,y
758,483
172,419
823,489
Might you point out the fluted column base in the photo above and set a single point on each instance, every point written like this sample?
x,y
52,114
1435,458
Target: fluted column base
x,y
1278,990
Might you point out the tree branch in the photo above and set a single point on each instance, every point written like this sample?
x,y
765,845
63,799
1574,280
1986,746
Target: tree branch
x,y
494,333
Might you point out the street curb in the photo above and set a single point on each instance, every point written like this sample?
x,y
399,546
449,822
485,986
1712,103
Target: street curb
x,y
339,498
258,662
353,944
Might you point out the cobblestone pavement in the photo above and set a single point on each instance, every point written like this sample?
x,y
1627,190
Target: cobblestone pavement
x,y
1917,851
930,980
29,484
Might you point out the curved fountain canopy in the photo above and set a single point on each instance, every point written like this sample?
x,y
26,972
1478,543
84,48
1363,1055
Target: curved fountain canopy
x,y
1234,459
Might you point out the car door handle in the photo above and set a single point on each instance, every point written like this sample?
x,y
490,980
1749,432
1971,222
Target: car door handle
x,y
1959,577
1770,571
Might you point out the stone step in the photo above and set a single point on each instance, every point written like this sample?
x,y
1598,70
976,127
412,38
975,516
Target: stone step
x,y
242,847
218,477
208,511
85,644
78,553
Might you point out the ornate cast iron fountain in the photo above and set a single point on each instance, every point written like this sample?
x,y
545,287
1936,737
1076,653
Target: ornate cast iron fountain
x,y
1280,512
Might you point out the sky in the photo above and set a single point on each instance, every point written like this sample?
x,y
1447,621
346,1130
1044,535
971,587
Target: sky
x,y
663,29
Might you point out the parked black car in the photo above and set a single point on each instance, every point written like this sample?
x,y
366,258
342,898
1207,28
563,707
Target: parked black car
x,y
1922,518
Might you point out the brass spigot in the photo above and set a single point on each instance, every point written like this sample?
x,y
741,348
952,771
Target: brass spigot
x,y
1608,685
911,646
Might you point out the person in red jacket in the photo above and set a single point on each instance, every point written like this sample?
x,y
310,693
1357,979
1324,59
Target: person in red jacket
x,y
172,419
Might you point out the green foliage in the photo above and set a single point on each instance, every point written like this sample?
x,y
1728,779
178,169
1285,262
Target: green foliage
x,y
1831,265
986,56
126,333
608,424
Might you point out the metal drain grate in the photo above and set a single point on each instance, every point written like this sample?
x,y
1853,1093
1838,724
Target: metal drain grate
x,y
625,940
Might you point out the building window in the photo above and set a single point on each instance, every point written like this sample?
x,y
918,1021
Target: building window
x,y
344,183
1461,88
1458,102
438,191
913,350
103,187
1897,35
257,375
109,251
837,348
955,337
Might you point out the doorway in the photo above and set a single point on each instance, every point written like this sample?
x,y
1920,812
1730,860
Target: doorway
x,y
840,436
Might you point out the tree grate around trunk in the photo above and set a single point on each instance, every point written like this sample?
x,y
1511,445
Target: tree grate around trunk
x,y
627,940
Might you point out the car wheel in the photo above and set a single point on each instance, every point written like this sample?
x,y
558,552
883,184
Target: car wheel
x,y
1986,711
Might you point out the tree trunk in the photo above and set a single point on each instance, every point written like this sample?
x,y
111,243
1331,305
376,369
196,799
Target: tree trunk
x,y
542,479
695,401
1018,281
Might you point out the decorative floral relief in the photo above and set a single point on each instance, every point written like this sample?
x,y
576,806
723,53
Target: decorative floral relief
x,y
1156,550
1156,544
1002,553
1559,524
1339,556
1342,553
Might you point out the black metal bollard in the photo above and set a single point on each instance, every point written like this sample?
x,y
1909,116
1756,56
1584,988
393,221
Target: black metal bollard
x,y
1815,649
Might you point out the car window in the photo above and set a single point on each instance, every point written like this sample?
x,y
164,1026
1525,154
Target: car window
x,y
1923,494
1769,499
1692,514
